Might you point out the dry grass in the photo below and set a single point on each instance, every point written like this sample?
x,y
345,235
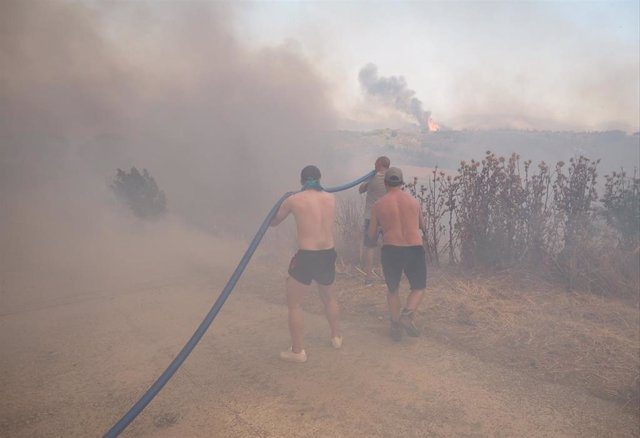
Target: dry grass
x,y
601,268
516,318
525,322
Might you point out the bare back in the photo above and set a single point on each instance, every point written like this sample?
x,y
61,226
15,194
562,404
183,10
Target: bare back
x,y
314,212
398,213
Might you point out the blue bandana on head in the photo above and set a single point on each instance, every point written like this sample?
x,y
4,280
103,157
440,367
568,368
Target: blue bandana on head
x,y
311,183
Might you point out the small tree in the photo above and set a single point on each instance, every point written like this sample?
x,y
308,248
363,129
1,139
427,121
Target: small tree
x,y
574,193
540,231
622,202
433,206
489,198
140,193
451,192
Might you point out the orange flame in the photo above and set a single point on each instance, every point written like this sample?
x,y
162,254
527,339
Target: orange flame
x,y
433,126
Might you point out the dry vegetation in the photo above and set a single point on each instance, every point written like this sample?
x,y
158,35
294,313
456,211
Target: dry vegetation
x,y
542,275
567,337
496,214
522,321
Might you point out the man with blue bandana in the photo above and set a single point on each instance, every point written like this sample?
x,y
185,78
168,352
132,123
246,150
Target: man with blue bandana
x,y
314,212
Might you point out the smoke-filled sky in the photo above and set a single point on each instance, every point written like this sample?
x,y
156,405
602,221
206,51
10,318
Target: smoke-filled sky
x,y
90,87
570,65
225,102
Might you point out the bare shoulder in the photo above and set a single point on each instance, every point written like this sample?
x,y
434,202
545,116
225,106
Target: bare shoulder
x,y
410,200
329,195
312,196
295,198
408,196
327,199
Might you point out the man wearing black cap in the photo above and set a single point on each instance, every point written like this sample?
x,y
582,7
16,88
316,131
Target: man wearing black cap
x,y
399,215
314,212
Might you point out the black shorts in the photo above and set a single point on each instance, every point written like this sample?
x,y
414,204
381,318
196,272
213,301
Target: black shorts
x,y
319,265
409,259
370,243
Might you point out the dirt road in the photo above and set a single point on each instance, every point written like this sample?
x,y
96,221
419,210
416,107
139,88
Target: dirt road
x,y
73,363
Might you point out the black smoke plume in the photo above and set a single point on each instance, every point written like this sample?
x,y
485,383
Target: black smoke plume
x,y
393,91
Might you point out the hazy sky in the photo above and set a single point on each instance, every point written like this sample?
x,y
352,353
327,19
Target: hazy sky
x,y
541,65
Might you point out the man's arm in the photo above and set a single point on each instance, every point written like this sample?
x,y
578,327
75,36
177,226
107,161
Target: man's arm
x,y
282,213
363,187
373,224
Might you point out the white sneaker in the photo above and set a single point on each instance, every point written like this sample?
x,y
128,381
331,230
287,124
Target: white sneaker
x,y
290,356
336,342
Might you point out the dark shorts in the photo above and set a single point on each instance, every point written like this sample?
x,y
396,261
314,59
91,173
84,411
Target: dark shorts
x,y
370,243
410,259
319,265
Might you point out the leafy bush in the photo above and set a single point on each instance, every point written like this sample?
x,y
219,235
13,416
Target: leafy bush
x,y
495,216
437,201
492,215
140,193
501,217
574,194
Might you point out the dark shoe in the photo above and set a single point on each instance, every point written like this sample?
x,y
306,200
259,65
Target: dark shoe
x,y
395,331
406,320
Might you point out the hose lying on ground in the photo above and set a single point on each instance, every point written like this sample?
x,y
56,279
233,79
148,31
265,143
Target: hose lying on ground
x,y
206,322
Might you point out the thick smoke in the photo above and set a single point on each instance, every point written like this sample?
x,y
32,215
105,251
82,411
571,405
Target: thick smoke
x,y
393,91
162,86
87,88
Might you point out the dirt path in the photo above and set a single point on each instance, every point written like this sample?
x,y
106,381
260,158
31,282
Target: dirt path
x,y
71,367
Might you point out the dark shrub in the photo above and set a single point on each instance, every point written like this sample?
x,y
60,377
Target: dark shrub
x,y
140,193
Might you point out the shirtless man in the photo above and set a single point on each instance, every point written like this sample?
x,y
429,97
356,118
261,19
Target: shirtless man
x,y
314,212
401,219
375,190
